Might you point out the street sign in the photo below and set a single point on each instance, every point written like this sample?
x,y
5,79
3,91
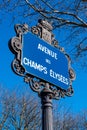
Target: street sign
x,y
44,61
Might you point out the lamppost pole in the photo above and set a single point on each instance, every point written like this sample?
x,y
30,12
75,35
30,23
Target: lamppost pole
x,y
47,115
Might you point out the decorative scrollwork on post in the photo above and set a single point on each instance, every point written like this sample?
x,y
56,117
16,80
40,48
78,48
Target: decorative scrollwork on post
x,y
35,30
72,74
21,29
17,67
16,47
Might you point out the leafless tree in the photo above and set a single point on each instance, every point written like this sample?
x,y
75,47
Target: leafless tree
x,y
64,119
84,119
4,112
19,112
23,112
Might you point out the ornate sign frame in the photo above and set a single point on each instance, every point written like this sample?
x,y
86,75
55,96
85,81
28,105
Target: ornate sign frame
x,y
44,30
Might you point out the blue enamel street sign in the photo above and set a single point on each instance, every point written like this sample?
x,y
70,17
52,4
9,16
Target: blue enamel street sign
x,y
44,61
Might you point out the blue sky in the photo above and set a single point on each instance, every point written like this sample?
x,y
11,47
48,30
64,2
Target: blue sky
x,y
8,79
